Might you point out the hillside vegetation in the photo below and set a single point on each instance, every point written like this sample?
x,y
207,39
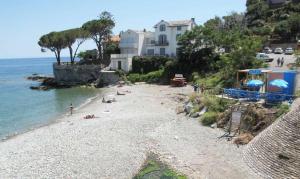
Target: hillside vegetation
x,y
281,23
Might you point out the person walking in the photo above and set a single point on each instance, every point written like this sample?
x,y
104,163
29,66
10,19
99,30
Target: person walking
x,y
278,62
282,62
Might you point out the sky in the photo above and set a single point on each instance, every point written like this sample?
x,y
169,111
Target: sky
x,y
23,22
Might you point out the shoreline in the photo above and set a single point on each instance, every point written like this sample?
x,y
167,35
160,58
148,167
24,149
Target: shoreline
x,y
115,144
58,117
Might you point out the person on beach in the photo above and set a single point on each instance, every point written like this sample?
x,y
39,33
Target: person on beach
x,y
282,62
278,62
71,109
196,86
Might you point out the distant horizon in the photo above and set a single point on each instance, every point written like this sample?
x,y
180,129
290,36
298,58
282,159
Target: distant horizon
x,y
23,23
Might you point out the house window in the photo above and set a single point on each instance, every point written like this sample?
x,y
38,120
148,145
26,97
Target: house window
x,y
162,51
162,39
178,28
177,36
150,52
162,27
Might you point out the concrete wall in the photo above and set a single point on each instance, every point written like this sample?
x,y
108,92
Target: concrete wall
x,y
109,77
124,59
76,74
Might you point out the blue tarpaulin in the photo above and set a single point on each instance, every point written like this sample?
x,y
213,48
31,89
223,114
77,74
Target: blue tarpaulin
x,y
279,83
255,83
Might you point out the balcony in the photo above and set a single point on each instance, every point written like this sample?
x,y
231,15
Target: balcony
x,y
119,56
128,45
162,43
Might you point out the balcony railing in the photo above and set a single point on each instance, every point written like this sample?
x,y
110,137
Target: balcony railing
x,y
122,55
162,43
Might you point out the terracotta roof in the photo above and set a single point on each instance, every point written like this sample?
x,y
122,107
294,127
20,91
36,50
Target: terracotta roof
x,y
115,38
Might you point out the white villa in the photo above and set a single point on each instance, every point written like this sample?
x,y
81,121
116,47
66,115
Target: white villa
x,y
162,42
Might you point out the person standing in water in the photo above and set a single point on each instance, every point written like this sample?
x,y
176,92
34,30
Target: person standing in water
x,y
71,109
278,62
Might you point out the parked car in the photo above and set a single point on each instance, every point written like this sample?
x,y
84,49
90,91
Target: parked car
x,y
178,81
264,57
267,50
278,51
289,51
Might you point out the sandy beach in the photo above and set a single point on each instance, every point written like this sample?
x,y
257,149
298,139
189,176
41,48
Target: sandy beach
x,y
116,143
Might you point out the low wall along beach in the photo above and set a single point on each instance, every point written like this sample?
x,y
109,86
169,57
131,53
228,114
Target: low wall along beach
x,y
83,74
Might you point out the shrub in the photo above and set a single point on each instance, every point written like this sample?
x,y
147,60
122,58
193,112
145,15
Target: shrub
x,y
282,109
216,104
209,118
152,77
148,64
210,81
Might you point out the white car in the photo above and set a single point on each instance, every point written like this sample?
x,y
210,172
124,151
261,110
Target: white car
x,y
278,51
289,51
264,57
267,50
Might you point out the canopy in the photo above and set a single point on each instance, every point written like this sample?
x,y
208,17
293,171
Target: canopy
x,y
279,83
255,83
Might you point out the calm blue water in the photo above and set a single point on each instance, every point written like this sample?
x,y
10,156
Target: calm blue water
x,y
22,108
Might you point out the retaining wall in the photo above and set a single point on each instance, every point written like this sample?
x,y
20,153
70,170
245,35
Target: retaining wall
x,y
82,74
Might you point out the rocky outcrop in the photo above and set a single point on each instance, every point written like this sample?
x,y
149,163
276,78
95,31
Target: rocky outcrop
x,y
275,152
46,83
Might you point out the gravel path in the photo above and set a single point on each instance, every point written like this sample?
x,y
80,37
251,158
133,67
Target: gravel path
x,y
116,143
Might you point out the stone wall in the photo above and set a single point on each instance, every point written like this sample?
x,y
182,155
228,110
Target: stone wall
x,y
108,77
75,74
82,74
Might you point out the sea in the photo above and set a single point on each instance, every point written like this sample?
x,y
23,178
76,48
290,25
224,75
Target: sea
x,y
21,108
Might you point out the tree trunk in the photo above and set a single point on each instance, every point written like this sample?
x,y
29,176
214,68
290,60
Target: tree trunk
x,y
58,57
100,55
71,54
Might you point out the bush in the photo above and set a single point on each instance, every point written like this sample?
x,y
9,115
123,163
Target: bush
x,y
152,77
148,64
216,104
282,109
209,81
209,118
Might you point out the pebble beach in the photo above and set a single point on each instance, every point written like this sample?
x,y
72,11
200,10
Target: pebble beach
x,y
117,141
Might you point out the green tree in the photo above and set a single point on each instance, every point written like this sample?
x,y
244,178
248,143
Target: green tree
x,y
294,23
100,30
283,29
74,36
55,42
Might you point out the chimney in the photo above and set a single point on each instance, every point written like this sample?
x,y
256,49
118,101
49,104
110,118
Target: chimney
x,y
193,19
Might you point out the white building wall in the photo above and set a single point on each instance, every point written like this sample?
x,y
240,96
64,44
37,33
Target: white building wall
x,y
171,33
137,43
